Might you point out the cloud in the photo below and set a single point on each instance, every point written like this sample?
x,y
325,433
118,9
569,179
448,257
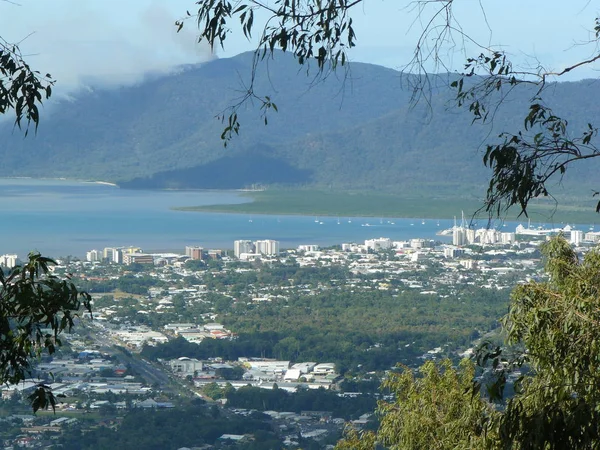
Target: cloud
x,y
104,42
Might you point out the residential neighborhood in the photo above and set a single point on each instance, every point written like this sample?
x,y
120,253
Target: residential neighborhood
x,y
107,366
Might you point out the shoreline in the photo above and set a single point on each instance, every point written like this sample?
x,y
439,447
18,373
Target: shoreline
x,y
75,180
207,209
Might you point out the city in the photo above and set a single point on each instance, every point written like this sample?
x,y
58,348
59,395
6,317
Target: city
x,y
145,301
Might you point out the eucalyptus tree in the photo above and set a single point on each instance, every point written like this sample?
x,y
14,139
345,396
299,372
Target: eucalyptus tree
x,y
434,408
22,89
553,336
35,305
35,308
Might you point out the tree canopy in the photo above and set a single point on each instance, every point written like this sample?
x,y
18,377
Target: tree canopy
x,y
22,89
35,308
551,357
321,32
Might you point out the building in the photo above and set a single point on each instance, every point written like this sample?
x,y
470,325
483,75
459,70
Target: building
x,y
93,256
267,247
130,250
240,247
215,254
576,237
272,367
458,236
185,366
196,253
324,369
453,252
9,261
107,253
487,236
592,236
378,244
113,254
417,243
139,258
469,264
117,256
308,248
508,238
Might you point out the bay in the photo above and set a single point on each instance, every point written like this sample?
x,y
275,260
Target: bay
x,y
59,218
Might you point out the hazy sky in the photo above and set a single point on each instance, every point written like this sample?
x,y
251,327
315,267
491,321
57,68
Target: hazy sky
x,y
117,41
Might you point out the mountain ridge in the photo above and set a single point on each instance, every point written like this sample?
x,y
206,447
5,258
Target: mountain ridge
x,y
359,132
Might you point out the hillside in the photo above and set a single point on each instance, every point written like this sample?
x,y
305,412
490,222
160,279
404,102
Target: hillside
x,y
357,131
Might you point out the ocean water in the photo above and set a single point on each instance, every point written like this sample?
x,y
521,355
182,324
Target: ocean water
x,y
60,218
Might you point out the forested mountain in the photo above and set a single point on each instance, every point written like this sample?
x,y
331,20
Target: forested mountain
x,y
352,130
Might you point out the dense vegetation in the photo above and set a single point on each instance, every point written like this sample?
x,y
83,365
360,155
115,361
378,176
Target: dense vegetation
x,y
249,397
188,426
358,330
551,355
379,204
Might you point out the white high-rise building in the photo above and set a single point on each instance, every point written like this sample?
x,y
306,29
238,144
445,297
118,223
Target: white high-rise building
x,y
469,236
93,256
458,236
508,238
576,237
118,256
115,255
242,246
417,243
9,261
378,244
107,253
267,247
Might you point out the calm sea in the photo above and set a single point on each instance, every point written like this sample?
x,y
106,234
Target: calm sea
x,y
60,218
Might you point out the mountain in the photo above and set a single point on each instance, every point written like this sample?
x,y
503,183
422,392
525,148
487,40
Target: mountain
x,y
355,130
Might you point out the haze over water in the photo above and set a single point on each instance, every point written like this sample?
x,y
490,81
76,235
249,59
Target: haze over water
x,y
60,218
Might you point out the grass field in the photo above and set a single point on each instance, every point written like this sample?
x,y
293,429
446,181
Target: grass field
x,y
361,204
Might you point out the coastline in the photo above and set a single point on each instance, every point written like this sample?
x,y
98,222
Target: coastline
x,y
74,180
383,206
322,203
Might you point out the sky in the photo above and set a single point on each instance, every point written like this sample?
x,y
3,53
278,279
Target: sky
x,y
117,42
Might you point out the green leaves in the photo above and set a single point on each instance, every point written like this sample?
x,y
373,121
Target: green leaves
x,y
42,398
313,31
21,89
558,323
439,407
32,300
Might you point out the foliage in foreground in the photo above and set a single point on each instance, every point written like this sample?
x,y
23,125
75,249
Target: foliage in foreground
x,y
556,404
436,409
35,308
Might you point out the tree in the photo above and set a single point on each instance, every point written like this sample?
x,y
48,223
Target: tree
x,y
21,88
436,409
552,335
320,32
556,323
35,308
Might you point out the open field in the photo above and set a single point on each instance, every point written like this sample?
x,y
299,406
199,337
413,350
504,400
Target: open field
x,y
372,204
